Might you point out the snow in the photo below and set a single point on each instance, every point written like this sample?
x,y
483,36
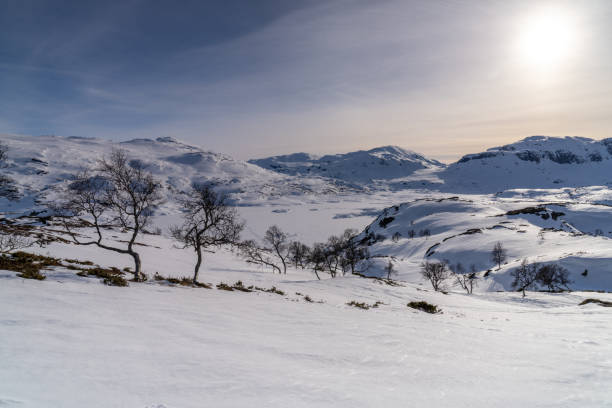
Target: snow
x,y
71,341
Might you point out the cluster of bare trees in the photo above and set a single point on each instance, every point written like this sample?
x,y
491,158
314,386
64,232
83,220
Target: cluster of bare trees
x,y
118,193
553,277
338,255
439,273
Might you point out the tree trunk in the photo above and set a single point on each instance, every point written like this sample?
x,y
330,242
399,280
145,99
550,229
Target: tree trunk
x,y
197,265
137,266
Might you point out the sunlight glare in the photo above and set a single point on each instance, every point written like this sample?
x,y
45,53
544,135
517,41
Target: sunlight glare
x,y
546,39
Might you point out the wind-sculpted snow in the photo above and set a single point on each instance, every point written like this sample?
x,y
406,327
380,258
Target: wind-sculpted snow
x,y
457,230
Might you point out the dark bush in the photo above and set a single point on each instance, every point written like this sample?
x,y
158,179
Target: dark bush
x,y
363,305
424,307
386,221
600,302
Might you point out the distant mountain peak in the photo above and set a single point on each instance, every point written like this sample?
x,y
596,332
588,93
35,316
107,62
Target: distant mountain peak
x,y
362,166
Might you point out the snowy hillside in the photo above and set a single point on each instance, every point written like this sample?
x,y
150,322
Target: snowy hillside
x,y
464,230
361,167
534,162
39,164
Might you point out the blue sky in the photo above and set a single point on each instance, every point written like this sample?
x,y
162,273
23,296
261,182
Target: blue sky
x,y
253,78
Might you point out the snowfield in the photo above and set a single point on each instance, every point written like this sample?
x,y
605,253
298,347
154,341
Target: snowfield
x,y
72,342
293,340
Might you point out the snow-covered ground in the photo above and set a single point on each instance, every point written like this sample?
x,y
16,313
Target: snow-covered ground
x,y
70,341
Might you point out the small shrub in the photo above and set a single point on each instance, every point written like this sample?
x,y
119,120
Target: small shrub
x,y
224,286
240,287
600,302
273,289
184,281
308,299
32,274
114,280
360,305
76,261
110,276
585,273
28,265
424,307
363,305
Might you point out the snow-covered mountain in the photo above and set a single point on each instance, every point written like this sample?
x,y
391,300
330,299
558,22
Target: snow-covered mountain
x,y
37,165
534,162
361,167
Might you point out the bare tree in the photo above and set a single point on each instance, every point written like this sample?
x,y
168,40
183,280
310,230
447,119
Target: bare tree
x,y
334,255
10,242
277,241
525,276
498,254
299,254
436,273
554,277
259,256
390,270
317,258
115,193
352,252
466,281
208,222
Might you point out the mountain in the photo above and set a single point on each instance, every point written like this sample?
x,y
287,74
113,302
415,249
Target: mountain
x,y
360,167
534,162
38,165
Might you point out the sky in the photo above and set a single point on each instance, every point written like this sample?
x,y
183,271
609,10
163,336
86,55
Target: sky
x,y
257,78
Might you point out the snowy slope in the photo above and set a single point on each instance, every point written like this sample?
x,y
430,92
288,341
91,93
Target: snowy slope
x,y
40,164
577,236
70,341
534,162
361,167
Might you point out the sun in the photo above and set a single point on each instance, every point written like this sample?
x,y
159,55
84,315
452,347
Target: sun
x,y
547,39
